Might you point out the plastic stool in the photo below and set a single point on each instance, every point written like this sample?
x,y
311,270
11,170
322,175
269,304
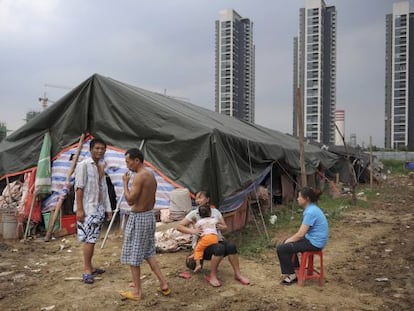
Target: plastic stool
x,y
307,270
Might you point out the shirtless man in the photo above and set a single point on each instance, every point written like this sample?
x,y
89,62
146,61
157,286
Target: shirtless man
x,y
139,235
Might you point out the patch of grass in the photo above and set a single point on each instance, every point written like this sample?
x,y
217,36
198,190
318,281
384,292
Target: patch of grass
x,y
395,166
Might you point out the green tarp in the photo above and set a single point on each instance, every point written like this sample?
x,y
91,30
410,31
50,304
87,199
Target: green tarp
x,y
194,147
43,181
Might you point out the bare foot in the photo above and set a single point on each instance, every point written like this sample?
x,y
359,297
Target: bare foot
x,y
132,284
197,268
243,280
213,281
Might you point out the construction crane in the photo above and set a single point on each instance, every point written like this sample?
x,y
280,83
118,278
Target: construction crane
x,y
44,100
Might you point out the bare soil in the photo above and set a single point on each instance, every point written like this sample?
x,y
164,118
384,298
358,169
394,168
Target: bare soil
x,y
368,266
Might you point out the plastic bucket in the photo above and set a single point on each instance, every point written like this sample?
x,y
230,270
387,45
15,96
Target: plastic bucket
x,y
409,165
46,217
69,223
9,226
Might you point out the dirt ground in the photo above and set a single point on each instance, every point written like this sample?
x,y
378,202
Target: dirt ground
x,y
368,266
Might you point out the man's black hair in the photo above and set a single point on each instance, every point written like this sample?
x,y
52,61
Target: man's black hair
x,y
96,141
135,153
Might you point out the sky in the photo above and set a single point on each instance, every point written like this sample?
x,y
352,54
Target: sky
x,y
167,46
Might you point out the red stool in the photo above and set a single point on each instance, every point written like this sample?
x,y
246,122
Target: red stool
x,y
307,270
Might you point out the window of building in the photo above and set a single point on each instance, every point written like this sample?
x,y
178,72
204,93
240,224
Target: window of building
x,y
399,128
400,75
400,84
399,93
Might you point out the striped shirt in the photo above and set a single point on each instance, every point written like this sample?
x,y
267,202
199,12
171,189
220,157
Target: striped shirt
x,y
95,190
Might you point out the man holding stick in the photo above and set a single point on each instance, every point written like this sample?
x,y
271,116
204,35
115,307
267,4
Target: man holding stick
x,y
91,203
139,235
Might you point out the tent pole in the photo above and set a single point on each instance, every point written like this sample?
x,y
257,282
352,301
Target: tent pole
x,y
112,220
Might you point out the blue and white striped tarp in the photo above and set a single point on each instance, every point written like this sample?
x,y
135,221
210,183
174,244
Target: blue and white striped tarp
x,y
115,168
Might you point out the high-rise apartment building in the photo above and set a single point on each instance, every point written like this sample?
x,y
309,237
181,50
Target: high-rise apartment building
x,y
399,78
339,127
235,66
315,72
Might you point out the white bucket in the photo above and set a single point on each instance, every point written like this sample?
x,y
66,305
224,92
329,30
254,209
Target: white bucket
x,y
9,226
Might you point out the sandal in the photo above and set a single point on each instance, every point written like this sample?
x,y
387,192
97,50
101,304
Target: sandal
x,y
88,278
130,295
289,281
164,292
98,271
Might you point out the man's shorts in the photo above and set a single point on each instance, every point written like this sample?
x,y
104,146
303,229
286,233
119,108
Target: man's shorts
x,y
90,229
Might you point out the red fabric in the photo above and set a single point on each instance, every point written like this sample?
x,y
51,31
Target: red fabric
x,y
30,177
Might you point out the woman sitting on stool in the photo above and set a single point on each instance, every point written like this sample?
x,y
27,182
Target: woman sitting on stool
x,y
311,236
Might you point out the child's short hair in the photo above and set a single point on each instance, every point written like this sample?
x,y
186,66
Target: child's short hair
x,y
204,211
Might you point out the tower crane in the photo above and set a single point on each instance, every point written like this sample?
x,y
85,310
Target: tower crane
x,y
44,100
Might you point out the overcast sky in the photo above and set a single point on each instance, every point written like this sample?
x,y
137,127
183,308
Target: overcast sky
x,y
168,46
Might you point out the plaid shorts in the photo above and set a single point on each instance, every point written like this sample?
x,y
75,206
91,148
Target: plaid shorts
x,y
139,238
90,229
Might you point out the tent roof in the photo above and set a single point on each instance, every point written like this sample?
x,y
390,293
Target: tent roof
x,y
194,147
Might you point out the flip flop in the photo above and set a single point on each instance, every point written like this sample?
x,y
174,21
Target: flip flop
x,y
87,278
164,292
129,295
288,281
208,279
98,271
185,275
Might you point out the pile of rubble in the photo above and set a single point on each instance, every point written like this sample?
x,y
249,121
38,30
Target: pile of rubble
x,y
11,196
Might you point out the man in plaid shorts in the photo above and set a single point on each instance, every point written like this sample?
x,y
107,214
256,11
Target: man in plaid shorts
x,y
139,235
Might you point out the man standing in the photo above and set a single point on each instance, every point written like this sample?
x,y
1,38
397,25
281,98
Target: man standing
x,y
139,235
91,203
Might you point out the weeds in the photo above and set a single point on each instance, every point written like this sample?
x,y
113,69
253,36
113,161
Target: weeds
x,y
395,167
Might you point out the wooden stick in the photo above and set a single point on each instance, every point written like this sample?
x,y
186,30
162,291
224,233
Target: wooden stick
x,y
113,219
59,204
300,121
78,278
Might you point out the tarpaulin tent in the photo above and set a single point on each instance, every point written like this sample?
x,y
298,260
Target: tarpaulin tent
x,y
191,146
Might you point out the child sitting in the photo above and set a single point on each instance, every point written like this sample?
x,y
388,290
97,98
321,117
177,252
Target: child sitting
x,y
208,235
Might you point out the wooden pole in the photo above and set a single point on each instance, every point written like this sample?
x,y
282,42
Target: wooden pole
x,y
299,114
113,219
59,204
371,172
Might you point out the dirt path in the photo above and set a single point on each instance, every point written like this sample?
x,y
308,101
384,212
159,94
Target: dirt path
x,y
368,266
